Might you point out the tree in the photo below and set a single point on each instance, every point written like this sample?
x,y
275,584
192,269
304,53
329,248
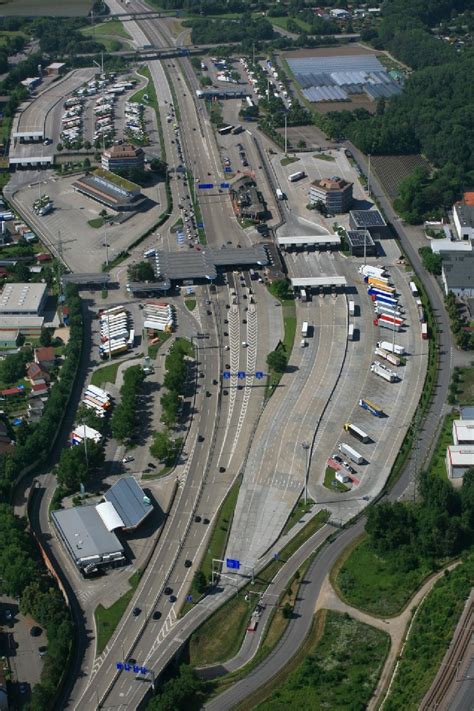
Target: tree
x,y
432,262
182,692
86,164
280,288
170,403
46,336
200,582
301,144
59,147
277,361
141,272
287,611
159,167
12,368
163,447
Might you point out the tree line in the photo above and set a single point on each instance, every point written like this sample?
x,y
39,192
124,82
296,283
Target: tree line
x,y
124,418
174,381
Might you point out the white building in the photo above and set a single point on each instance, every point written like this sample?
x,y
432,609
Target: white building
x,y
463,216
459,458
463,432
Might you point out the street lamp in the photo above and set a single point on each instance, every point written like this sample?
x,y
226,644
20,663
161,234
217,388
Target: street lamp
x,y
306,448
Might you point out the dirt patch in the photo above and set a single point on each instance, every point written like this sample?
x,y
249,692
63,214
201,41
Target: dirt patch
x,y
357,101
391,170
313,137
331,52
62,333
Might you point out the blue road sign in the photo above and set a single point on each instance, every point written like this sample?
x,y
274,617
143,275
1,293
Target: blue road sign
x,y
226,375
228,169
200,225
122,666
276,556
205,186
189,598
259,375
119,666
225,185
241,374
232,563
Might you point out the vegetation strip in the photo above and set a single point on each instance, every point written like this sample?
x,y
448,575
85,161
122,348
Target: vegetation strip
x,y
107,618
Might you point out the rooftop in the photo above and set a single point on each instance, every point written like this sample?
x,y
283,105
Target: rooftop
x,y
22,298
359,238
124,150
464,430
367,218
116,179
461,455
130,502
85,533
458,269
202,264
331,184
465,212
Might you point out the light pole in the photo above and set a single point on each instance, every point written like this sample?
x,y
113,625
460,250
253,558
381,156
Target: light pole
x,y
306,448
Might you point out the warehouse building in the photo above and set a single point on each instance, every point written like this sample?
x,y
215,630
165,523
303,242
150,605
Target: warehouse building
x,y
463,432
459,458
457,273
88,532
110,190
335,194
25,299
360,243
463,217
123,157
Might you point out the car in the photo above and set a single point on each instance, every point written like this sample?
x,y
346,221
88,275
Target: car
x,y
132,661
346,464
208,394
36,631
172,598
201,375
23,689
205,521
226,348
42,651
151,465
167,591
226,320
209,313
127,459
244,320
8,615
200,438
136,611
222,470
225,392
215,382
156,615
350,468
188,563
227,366
226,333
337,458
240,387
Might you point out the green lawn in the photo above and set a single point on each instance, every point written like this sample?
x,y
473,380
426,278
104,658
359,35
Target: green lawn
x,y
465,394
283,23
107,374
437,463
109,28
299,510
330,482
288,160
107,618
429,637
289,325
190,304
338,671
324,156
374,583
96,222
153,349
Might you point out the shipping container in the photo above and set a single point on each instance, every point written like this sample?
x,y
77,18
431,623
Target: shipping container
x,y
356,432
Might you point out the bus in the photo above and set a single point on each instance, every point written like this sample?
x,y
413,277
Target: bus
x,y
296,176
225,130
356,432
304,329
370,407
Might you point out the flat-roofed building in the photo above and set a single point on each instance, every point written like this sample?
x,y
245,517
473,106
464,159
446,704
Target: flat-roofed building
x,y
26,325
457,273
335,193
463,217
110,190
459,458
24,299
370,220
123,157
360,243
463,432
54,68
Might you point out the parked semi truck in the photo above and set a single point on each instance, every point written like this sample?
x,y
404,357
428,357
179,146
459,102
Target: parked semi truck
x,y
351,308
371,407
356,432
386,355
382,299
392,347
386,310
383,372
389,325
351,453
370,270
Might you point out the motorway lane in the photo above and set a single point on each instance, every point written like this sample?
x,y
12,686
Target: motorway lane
x,y
275,472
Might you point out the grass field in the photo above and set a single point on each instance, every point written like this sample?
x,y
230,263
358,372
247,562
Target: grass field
x,y
96,222
289,324
283,23
297,513
190,304
324,156
437,463
288,160
153,349
111,28
429,637
374,583
337,668
465,394
330,482
107,618
107,374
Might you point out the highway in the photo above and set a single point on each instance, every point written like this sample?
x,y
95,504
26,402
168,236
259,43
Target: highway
x,y
226,423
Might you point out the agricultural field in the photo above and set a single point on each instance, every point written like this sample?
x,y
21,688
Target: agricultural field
x,y
391,170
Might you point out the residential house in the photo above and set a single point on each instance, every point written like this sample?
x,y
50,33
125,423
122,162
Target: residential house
x,y
36,374
45,357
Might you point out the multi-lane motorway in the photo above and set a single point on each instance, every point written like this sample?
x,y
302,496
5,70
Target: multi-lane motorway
x,y
226,435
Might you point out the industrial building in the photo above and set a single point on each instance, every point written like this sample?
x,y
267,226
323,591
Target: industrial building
x,y
463,432
87,532
463,217
370,220
110,190
335,193
123,157
27,299
457,273
203,264
459,458
360,243
320,242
